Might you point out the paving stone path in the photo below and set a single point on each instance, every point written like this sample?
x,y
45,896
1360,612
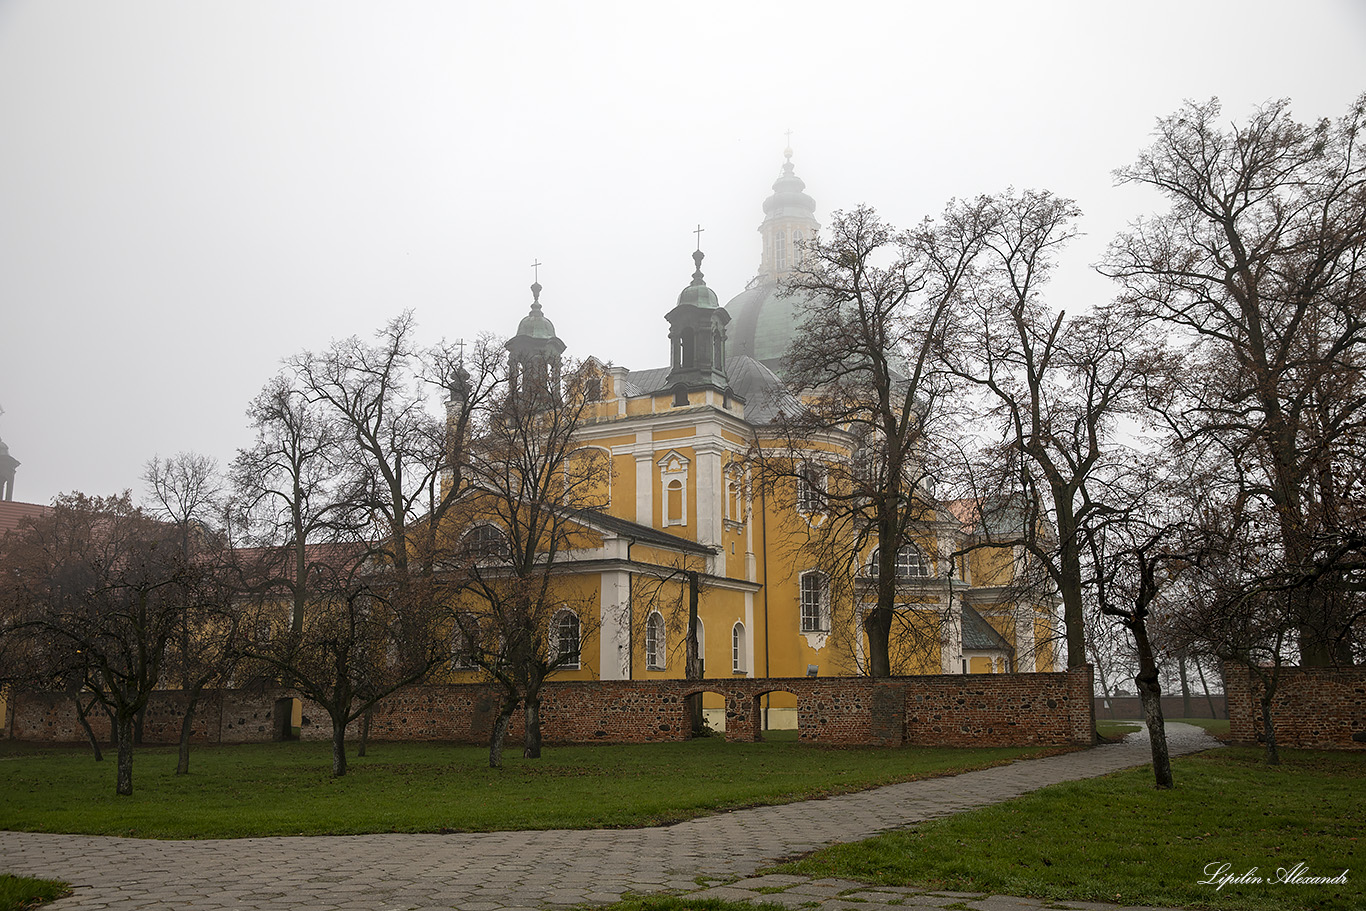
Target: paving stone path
x,y
507,871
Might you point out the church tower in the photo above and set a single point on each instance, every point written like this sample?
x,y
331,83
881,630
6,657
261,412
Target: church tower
x,y
789,219
697,335
765,321
534,354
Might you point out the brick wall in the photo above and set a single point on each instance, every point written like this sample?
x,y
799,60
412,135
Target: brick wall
x,y
1172,707
221,716
1001,709
1319,708
978,710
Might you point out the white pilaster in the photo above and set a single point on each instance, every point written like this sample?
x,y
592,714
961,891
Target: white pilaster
x,y
614,640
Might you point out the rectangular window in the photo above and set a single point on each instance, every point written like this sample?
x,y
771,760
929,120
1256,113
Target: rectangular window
x,y
815,596
811,488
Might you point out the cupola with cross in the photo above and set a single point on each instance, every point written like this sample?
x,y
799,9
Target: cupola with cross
x,y
697,334
534,352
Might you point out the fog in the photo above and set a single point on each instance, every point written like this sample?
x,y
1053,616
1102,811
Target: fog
x,y
191,192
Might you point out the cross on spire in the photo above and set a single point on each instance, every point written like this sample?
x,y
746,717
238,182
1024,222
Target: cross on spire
x,y
788,134
698,232
536,270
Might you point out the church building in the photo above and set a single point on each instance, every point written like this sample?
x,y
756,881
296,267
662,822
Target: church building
x,y
681,500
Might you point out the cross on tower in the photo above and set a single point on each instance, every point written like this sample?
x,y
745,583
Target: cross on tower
x,y
536,271
788,134
698,232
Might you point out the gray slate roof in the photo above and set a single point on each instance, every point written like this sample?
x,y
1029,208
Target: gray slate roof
x,y
763,393
979,635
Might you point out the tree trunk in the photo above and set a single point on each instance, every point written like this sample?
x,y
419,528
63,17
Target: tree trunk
x,y
878,627
85,726
532,744
500,732
137,725
365,731
1185,686
124,785
1213,712
1105,687
1150,695
186,724
1273,756
338,746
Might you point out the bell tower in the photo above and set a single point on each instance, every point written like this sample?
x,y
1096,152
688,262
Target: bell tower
x,y
697,335
534,354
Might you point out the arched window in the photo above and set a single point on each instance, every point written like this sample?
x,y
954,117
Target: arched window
x,y
564,639
911,563
737,648
815,602
797,248
779,250
484,542
654,642
675,503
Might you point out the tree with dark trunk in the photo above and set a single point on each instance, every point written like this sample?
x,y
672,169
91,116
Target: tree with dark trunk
x,y
1257,264
1055,388
856,455
350,484
533,491
186,493
99,579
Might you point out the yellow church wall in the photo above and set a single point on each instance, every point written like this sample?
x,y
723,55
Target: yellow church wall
x,y
1045,645
993,565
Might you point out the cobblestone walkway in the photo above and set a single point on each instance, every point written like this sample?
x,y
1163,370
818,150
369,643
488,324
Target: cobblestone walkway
x,y
504,871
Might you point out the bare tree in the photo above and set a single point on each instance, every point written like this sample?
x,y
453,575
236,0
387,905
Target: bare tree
x,y
534,496
1257,263
354,475
1054,389
185,492
857,456
98,578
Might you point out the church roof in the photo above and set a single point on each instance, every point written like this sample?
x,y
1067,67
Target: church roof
x,y
979,635
643,534
12,513
763,393
764,322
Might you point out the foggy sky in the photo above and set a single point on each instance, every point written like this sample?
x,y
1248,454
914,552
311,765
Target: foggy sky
x,y
191,192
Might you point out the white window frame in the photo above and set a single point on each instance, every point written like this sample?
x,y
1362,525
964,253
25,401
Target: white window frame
x,y
812,479
673,467
738,646
654,642
814,586
461,646
908,558
556,638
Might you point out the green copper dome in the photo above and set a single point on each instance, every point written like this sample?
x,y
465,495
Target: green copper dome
x,y
535,324
698,294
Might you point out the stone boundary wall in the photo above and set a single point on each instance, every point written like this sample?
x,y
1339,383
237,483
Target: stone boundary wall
x,y
221,716
949,710
1128,707
1316,708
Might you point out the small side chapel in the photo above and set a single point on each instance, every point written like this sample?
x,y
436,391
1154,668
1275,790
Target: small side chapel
x,y
681,499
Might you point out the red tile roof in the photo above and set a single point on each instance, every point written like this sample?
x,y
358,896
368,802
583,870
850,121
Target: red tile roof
x,y
11,513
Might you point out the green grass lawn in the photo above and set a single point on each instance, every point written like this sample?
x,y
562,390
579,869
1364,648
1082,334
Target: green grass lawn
x,y
287,788
1118,839
19,893
1116,730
